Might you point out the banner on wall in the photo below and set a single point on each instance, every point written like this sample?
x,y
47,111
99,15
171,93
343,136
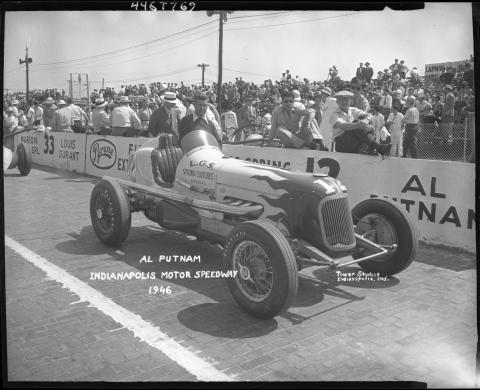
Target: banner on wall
x,y
438,195
64,151
109,156
437,69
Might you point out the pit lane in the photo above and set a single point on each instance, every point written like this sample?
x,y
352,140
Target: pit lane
x,y
417,326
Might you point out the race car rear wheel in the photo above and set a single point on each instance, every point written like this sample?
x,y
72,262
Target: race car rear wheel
x,y
110,212
24,159
267,279
387,224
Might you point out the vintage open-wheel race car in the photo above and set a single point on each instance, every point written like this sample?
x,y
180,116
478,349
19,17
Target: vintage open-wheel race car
x,y
19,157
270,222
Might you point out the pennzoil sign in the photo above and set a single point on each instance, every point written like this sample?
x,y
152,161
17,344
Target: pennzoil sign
x,y
103,154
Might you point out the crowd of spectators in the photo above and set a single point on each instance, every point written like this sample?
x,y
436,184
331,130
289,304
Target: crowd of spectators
x,y
380,96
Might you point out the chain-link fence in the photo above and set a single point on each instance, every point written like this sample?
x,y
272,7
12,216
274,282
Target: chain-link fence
x,y
451,142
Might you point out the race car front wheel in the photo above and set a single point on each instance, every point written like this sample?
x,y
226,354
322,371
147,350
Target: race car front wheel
x,y
110,212
387,224
24,159
266,282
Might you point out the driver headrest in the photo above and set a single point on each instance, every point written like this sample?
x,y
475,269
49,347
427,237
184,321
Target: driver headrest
x,y
165,139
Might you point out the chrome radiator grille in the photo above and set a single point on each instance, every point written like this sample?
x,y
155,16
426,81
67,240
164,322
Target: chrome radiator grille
x,y
336,223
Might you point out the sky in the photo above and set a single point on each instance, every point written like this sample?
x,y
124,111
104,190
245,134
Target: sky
x,y
128,47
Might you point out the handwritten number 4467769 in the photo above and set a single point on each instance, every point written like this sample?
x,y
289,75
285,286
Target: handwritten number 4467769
x,y
162,6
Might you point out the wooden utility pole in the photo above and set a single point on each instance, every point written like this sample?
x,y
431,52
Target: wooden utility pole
x,y
26,61
220,60
203,66
70,86
88,101
222,18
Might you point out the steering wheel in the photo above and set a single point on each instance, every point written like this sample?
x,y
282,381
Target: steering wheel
x,y
241,128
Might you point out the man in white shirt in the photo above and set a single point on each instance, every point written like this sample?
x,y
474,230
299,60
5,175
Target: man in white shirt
x,y
328,106
385,102
37,114
395,126
79,116
123,120
352,136
100,119
229,120
11,122
14,106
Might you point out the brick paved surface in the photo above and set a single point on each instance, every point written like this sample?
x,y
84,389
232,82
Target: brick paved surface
x,y
419,325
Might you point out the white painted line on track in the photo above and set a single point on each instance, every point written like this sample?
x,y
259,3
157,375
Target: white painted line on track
x,y
142,329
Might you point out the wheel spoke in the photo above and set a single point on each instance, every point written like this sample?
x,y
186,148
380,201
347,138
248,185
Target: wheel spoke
x,y
378,229
104,204
258,285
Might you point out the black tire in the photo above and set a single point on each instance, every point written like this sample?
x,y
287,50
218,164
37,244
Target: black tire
x,y
397,226
279,268
24,159
110,212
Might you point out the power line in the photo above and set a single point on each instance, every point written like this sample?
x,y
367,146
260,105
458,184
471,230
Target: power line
x,y
266,14
109,59
152,76
239,71
283,24
129,60
127,48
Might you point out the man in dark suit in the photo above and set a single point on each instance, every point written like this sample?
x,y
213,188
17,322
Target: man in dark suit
x,y
368,73
198,120
165,119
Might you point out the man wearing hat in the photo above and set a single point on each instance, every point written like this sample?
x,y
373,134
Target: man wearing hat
x,y
22,119
359,101
410,121
297,100
414,76
322,100
368,72
350,136
14,105
166,118
62,119
123,120
100,118
49,111
198,120
11,122
402,69
448,112
327,106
